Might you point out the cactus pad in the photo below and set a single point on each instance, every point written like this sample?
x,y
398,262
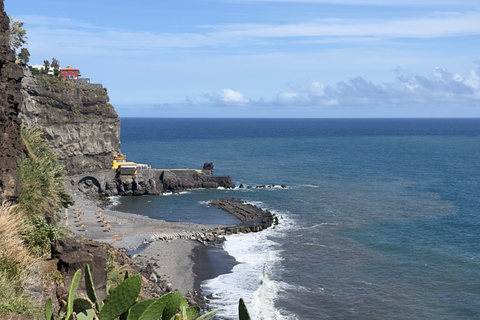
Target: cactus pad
x,y
242,310
121,298
48,309
72,292
208,316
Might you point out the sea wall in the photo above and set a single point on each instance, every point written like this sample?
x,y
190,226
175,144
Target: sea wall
x,y
79,123
10,101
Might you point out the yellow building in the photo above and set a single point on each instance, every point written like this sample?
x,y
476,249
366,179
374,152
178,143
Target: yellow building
x,y
121,165
118,159
127,168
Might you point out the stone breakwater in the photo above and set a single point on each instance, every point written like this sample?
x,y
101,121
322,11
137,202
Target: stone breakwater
x,y
253,218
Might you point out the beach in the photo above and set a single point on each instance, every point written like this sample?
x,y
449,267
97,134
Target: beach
x,y
171,247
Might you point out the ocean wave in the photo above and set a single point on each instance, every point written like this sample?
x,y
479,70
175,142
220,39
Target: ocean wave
x,y
175,194
254,186
114,201
258,257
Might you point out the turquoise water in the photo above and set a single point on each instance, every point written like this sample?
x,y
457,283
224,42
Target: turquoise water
x,y
380,219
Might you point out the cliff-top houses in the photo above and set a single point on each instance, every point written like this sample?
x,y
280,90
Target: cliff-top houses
x,y
69,73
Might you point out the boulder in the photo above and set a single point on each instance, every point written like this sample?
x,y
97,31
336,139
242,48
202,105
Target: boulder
x,y
73,255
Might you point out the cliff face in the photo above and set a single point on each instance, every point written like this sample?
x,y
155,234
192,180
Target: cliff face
x,y
79,123
10,101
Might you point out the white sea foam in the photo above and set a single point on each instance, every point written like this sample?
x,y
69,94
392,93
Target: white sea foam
x,y
175,194
114,201
258,256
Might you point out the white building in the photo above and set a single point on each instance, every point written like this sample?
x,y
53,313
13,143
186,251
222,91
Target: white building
x,y
41,67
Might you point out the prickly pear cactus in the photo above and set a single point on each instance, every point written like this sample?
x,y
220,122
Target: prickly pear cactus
x,y
88,314
92,295
193,312
242,310
72,292
48,309
80,304
172,304
145,310
121,298
208,316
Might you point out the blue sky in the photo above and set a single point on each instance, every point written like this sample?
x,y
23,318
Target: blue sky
x,y
267,58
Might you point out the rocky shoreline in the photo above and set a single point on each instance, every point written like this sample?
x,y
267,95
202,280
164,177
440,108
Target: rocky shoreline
x,y
166,252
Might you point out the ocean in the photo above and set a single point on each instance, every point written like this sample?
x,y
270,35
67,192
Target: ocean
x,y
380,218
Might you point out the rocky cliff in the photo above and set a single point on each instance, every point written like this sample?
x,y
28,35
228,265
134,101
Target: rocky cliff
x,y
10,101
79,123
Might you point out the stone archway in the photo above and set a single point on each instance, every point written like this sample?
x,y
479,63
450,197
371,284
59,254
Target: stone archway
x,y
89,185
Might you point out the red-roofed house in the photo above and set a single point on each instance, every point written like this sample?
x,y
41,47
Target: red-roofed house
x,y
70,73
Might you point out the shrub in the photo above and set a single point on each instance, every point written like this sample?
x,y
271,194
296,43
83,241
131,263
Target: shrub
x,y
40,235
44,192
123,302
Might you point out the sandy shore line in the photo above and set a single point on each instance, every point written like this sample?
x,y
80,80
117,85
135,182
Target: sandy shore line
x,y
172,259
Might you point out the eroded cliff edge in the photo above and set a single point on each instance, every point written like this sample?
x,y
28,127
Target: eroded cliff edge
x,y
10,102
79,123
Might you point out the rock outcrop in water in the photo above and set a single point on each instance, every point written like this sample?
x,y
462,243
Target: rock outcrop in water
x,y
79,123
10,101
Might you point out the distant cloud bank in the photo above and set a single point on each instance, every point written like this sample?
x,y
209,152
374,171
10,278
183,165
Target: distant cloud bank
x,y
440,88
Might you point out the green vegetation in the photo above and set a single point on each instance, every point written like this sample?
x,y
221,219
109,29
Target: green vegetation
x,y
13,299
56,66
14,264
17,34
123,303
44,192
28,228
41,235
54,84
24,56
115,273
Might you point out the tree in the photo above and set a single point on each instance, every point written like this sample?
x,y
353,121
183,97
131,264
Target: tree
x,y
46,65
55,65
17,34
24,56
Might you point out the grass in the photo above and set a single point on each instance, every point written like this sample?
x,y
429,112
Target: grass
x,y
15,262
14,257
13,300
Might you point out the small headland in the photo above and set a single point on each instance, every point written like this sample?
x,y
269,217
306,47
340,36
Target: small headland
x,y
147,181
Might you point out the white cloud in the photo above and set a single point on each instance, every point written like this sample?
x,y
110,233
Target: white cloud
x,y
47,33
227,97
441,88
431,26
